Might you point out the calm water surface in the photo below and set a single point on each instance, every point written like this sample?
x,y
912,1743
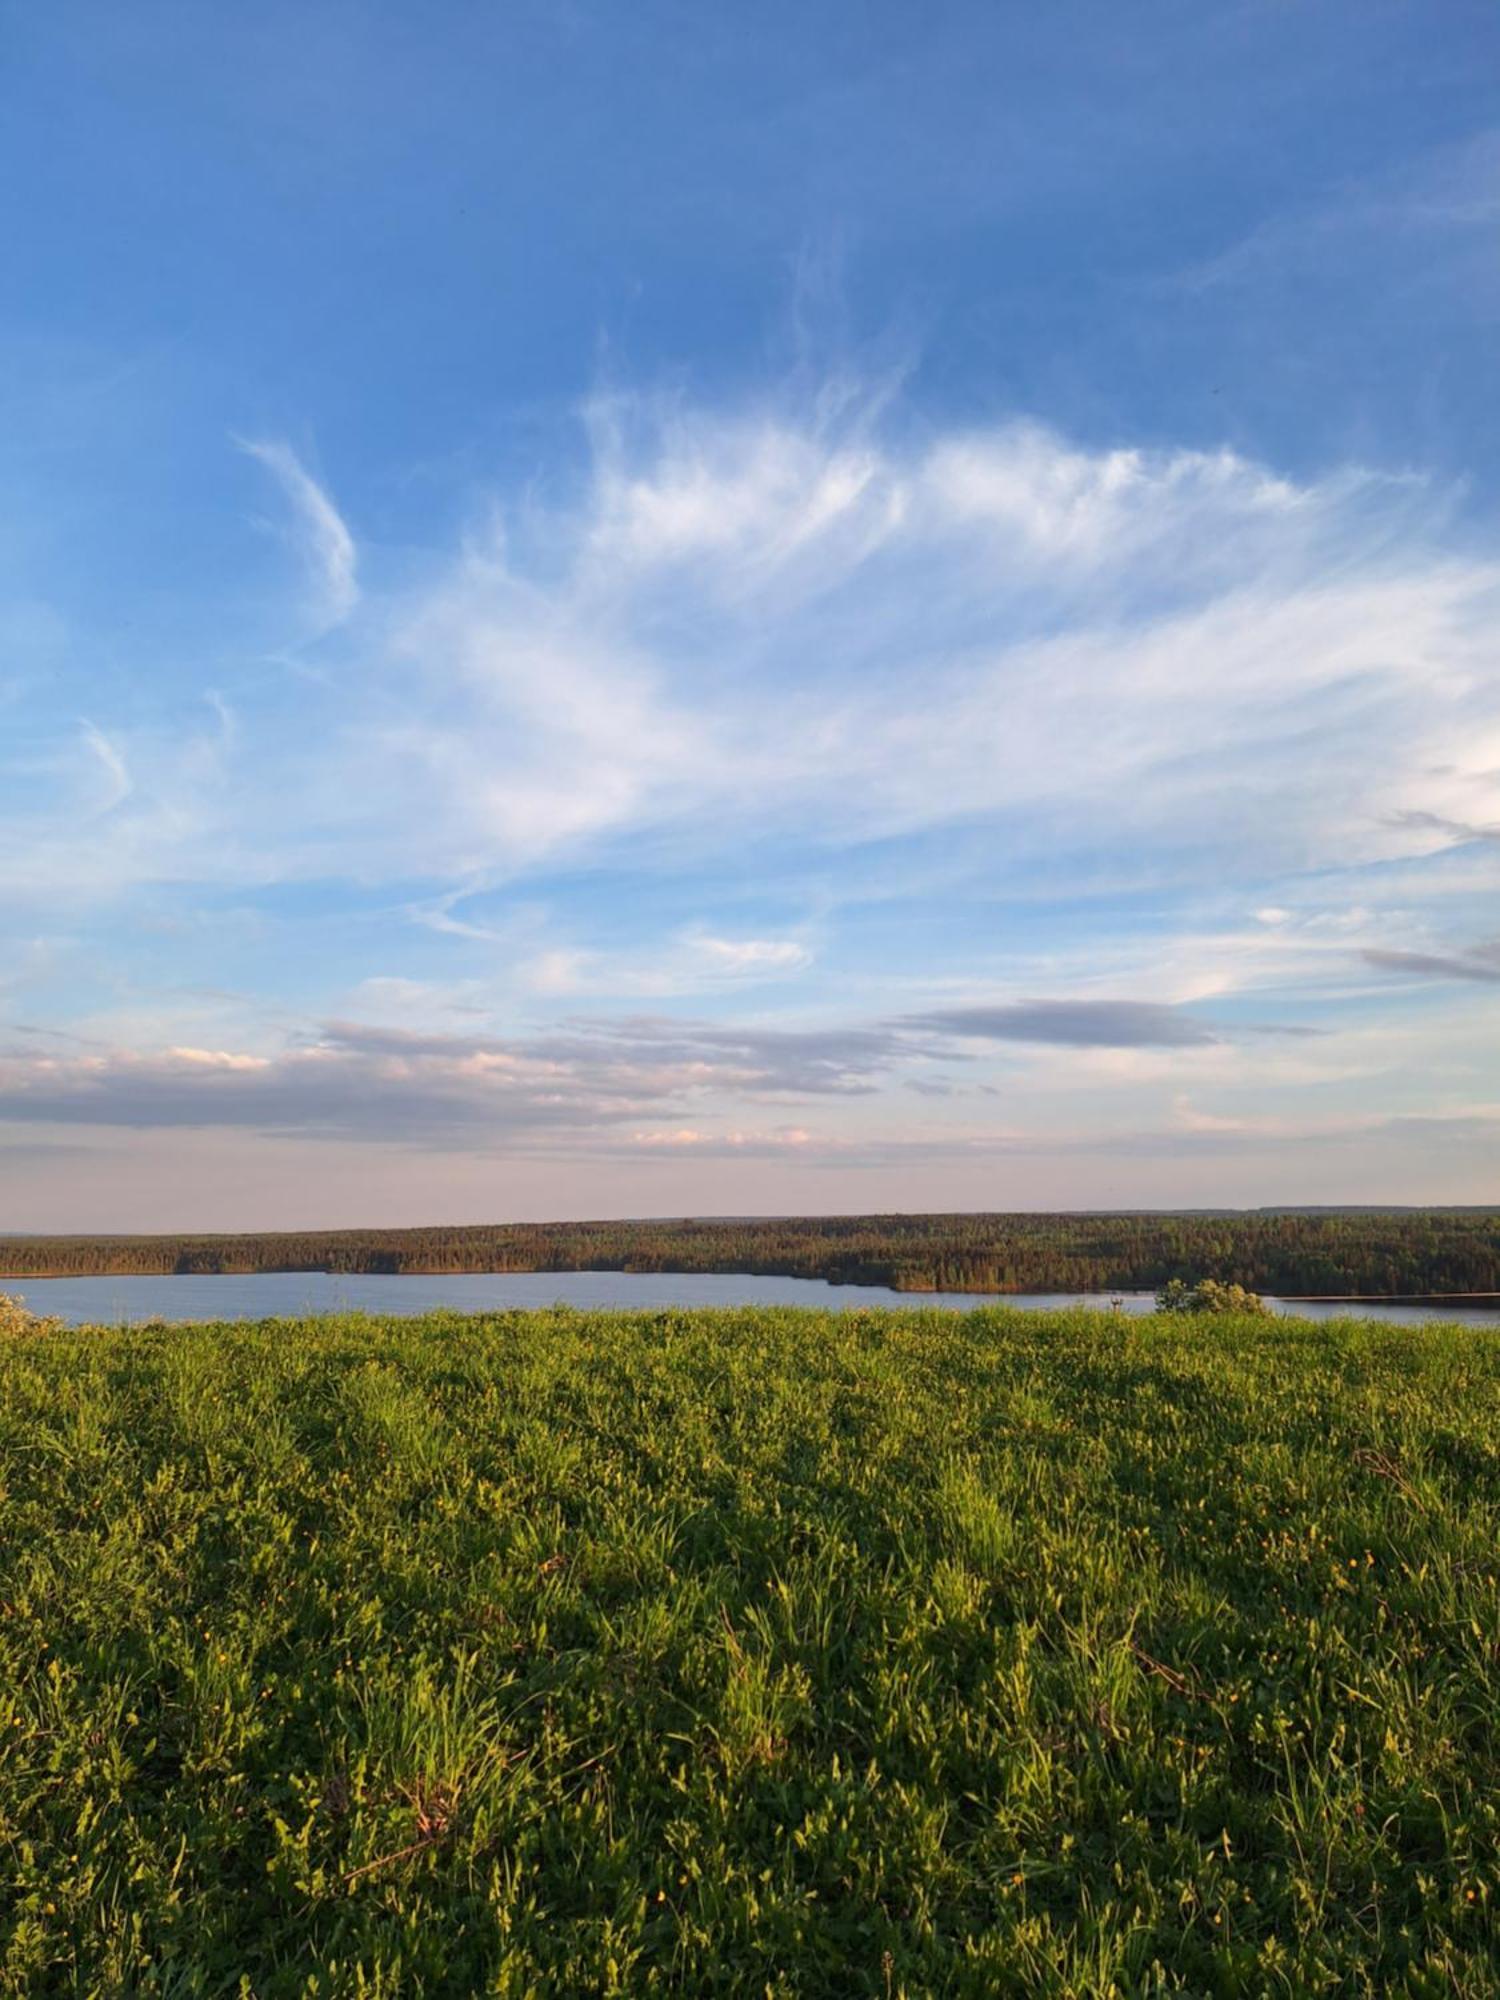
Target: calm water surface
x,y
293,1294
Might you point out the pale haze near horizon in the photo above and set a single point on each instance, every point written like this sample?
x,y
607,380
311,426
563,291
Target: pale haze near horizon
x,y
747,611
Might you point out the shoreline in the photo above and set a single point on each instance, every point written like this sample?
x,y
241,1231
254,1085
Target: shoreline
x,y
1478,1299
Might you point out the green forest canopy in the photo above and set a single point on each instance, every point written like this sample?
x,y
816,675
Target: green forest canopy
x,y
1368,1253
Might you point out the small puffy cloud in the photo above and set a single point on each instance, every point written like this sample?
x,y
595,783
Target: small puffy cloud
x,y
690,962
687,1139
751,957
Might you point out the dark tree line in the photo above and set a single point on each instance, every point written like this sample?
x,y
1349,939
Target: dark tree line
x,y
1373,1254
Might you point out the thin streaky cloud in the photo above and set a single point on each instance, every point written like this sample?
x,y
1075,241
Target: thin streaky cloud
x,y
1459,831
118,780
1099,1024
327,547
1452,192
1092,1024
1483,969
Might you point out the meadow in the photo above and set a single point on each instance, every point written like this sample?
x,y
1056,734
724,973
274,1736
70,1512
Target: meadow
x,y
752,1653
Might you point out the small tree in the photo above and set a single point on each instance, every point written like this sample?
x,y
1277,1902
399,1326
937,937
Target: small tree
x,y
1209,1296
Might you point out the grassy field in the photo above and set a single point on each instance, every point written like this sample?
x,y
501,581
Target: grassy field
x,y
750,1653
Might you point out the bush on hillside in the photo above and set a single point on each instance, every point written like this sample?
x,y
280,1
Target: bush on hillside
x,y
17,1317
1209,1296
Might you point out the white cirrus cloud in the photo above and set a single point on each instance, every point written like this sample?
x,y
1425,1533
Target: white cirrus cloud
x,y
739,630
323,539
780,630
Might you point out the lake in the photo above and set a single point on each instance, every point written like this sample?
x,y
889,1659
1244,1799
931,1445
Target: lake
x,y
293,1294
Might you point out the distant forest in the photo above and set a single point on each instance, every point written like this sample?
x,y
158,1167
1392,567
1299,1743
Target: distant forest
x,y
1373,1254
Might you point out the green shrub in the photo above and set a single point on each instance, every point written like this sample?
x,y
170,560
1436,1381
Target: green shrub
x,y
17,1317
1209,1296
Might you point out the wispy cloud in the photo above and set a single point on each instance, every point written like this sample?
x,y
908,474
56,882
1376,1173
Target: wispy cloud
x,y
776,627
638,746
1089,1024
692,962
579,1077
1456,831
324,542
1482,965
729,632
117,784
1451,194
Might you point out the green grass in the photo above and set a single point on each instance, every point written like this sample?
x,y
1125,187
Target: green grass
x,y
750,1653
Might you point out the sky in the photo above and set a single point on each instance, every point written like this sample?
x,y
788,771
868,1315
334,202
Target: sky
x,y
784,609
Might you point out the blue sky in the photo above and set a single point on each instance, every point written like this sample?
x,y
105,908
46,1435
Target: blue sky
x,y
657,610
